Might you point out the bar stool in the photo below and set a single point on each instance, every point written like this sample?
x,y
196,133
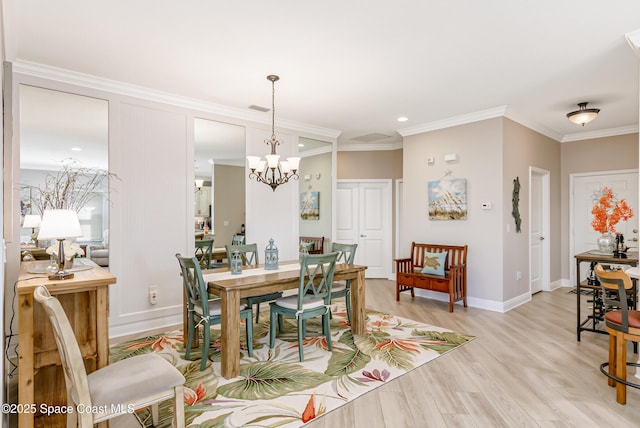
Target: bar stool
x,y
622,324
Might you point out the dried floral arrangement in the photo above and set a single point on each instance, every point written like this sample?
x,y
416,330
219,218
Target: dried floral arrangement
x,y
69,188
608,211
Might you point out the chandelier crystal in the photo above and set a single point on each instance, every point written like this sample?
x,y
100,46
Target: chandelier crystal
x,y
272,171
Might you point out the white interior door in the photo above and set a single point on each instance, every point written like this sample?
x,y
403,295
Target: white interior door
x,y
539,270
364,217
625,185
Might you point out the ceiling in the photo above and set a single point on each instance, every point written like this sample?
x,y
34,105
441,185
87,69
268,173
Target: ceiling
x,y
355,67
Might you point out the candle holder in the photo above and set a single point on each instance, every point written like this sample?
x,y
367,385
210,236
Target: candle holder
x,y
236,263
271,256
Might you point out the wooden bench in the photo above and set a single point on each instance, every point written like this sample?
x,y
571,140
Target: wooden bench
x,y
318,244
454,282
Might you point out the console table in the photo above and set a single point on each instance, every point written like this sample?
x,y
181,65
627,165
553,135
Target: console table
x,y
589,323
85,299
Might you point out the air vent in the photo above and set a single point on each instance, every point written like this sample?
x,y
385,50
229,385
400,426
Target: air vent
x,y
262,109
371,137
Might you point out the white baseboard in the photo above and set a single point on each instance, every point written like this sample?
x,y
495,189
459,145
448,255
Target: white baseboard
x,y
474,302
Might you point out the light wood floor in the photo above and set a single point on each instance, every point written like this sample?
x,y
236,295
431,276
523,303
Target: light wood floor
x,y
524,369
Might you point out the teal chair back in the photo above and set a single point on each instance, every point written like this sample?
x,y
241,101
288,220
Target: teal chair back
x,y
194,284
316,277
204,249
248,252
346,252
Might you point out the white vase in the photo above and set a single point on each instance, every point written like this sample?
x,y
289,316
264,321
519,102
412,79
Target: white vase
x,y
606,242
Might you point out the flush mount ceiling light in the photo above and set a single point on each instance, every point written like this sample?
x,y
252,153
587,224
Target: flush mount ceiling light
x,y
584,115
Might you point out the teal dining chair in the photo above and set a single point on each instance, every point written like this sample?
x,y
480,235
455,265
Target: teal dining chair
x,y
205,311
346,254
313,299
249,254
204,248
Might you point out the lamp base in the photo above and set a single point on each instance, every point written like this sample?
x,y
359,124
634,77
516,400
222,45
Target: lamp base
x,y
61,275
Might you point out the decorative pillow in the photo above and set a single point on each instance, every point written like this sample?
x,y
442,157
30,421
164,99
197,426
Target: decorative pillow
x,y
308,245
434,263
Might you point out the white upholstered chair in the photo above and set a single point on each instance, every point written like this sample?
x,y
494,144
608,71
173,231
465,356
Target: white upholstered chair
x,y
132,383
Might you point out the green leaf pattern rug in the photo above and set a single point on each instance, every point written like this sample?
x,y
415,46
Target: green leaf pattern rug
x,y
274,389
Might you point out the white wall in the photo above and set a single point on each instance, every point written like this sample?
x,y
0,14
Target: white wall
x,y
479,149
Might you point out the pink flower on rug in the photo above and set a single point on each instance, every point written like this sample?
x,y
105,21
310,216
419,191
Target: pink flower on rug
x,y
310,411
157,345
376,375
192,396
405,345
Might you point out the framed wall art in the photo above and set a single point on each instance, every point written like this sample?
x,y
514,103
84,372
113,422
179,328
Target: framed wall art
x,y
310,206
448,199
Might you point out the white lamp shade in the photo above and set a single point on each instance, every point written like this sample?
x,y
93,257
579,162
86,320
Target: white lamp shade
x,y
31,220
253,161
59,224
199,183
272,160
294,162
284,165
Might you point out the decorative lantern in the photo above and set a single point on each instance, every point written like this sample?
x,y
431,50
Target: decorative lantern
x,y
271,256
236,263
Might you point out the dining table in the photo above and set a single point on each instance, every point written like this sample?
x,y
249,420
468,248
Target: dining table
x,y
255,281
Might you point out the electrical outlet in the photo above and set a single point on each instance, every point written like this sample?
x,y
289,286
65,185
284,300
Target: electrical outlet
x,y
518,276
153,294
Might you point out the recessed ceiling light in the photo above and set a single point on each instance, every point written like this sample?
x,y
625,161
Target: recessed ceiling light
x,y
76,149
403,119
300,145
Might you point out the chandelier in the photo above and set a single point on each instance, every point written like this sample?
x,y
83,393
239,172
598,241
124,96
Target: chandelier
x,y
273,172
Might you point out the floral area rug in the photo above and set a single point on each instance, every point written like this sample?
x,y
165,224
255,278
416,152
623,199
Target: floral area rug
x,y
274,389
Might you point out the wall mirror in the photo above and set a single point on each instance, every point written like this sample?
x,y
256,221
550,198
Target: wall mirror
x,y
219,182
316,174
61,130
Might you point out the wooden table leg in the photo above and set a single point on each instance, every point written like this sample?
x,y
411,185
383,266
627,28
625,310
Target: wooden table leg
x,y
230,331
102,326
25,359
358,322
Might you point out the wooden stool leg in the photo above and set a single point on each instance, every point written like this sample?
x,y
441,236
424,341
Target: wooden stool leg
x,y
621,369
612,358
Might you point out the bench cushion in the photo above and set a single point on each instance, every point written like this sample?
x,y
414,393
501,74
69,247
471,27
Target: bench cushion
x,y
434,263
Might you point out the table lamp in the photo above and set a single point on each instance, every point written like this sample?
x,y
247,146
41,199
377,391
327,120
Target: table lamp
x,y
60,224
32,221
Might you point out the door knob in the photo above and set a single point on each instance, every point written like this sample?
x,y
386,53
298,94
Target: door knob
x,y
541,238
634,239
635,230
363,236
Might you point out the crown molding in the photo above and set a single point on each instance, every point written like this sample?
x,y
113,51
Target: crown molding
x,y
318,151
454,121
368,147
623,130
511,114
633,38
43,71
